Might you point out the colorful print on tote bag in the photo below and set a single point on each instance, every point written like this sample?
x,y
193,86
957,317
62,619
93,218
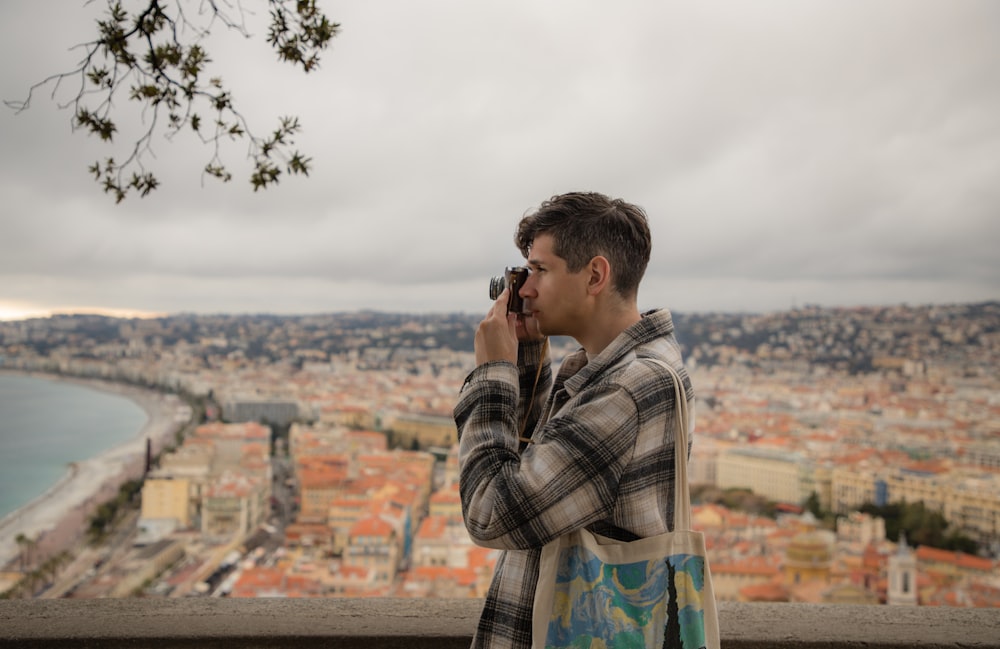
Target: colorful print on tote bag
x,y
650,603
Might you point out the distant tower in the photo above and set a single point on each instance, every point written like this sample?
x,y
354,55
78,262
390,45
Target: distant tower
x,y
902,575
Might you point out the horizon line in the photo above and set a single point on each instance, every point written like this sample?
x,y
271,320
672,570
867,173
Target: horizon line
x,y
14,315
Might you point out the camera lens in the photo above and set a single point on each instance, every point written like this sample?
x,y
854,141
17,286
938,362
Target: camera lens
x,y
497,285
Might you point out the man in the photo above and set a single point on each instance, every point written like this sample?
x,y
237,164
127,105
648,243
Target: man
x,y
596,450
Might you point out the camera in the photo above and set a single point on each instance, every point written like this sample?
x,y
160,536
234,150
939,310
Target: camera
x,y
514,278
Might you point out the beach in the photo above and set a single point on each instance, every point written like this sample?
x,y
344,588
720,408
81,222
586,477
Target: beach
x,y
57,520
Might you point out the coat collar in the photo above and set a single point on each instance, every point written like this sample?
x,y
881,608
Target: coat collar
x,y
576,371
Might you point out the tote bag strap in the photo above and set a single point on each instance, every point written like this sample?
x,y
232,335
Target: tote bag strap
x,y
682,491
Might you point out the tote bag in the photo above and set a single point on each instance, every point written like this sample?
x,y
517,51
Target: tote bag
x,y
649,593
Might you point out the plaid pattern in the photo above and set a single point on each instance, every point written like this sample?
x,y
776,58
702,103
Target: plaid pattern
x,y
602,457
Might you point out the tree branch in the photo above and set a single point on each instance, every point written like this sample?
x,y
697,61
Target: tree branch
x,y
148,52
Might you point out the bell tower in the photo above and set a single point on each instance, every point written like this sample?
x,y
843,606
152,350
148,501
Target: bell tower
x,y
902,575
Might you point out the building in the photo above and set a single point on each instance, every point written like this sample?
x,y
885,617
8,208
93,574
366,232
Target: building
x,y
374,545
167,498
777,475
854,485
972,505
704,463
409,429
810,554
277,412
321,480
234,505
447,502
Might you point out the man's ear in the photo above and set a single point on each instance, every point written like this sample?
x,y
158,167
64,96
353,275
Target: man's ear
x,y
600,275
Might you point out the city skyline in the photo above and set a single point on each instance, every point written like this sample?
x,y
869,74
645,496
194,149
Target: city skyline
x,y
839,154
830,410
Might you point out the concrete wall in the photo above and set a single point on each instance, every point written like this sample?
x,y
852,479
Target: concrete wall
x,y
435,623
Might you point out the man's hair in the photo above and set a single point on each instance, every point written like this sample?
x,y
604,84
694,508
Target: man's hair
x,y
584,225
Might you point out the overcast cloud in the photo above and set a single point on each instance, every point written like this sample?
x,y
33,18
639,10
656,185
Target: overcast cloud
x,y
832,152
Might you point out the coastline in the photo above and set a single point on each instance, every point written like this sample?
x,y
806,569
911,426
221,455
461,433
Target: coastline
x,y
57,519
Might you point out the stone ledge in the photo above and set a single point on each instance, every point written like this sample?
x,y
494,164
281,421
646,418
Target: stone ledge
x,y
435,623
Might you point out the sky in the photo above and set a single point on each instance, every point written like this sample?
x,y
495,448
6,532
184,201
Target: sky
x,y
788,153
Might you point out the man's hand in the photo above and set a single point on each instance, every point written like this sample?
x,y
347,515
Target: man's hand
x,y
496,337
528,329
498,334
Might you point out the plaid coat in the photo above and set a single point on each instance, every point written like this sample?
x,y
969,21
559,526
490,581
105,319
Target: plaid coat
x,y
601,456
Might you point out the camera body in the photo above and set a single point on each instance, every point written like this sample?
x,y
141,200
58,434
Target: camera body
x,y
513,277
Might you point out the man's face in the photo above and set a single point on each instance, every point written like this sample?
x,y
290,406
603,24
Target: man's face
x,y
554,296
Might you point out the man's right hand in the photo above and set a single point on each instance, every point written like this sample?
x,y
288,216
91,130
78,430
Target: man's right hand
x,y
497,336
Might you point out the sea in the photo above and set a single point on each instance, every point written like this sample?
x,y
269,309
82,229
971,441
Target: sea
x,y
46,424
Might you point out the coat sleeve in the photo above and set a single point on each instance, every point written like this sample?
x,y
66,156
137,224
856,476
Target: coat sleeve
x,y
568,479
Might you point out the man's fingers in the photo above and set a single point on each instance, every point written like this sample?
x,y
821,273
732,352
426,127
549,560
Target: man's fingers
x,y
500,304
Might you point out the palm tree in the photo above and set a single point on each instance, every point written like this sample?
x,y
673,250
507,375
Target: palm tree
x,y
47,571
22,542
58,562
27,544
